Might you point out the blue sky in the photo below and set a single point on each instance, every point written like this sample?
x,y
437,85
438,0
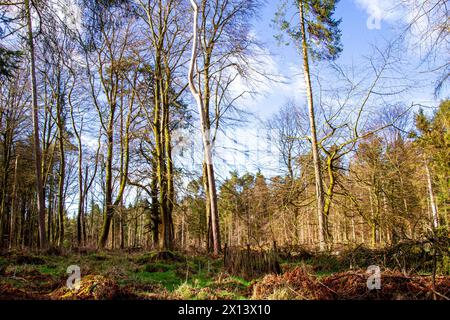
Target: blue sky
x,y
240,147
247,148
355,34
357,41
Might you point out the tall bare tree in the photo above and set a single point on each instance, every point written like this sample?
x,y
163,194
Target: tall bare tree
x,y
318,34
37,145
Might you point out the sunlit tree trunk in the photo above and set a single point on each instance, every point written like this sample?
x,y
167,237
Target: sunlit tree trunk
x,y
207,146
155,204
434,211
62,170
169,178
108,209
315,150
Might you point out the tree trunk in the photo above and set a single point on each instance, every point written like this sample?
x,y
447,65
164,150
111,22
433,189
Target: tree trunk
x,y
315,150
329,194
155,204
12,228
168,225
80,218
4,211
161,172
122,227
434,211
62,175
209,236
207,145
37,146
108,210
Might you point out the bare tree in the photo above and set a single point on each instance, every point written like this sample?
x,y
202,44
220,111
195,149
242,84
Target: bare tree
x,y
206,138
37,146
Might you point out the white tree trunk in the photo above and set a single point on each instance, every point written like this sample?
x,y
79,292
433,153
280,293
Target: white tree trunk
x,y
431,194
206,137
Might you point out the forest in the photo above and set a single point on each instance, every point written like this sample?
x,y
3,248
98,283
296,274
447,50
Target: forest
x,y
161,150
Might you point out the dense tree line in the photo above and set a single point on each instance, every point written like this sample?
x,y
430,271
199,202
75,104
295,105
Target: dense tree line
x,y
392,188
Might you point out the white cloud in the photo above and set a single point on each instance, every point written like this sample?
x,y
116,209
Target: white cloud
x,y
425,22
89,141
378,11
68,12
272,81
421,15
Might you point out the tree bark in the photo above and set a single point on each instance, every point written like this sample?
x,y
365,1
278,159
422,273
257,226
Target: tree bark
x,y
434,211
62,170
315,150
37,146
207,145
108,210
155,204
12,228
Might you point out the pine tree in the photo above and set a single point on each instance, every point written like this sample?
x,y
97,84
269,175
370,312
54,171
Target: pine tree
x,y
433,138
317,34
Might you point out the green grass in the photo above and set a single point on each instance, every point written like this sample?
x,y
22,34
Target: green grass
x,y
160,267
242,281
322,274
52,270
168,279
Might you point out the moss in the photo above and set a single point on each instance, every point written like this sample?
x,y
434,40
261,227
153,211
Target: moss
x,y
322,274
200,281
3,265
29,259
444,266
242,281
166,256
185,291
49,270
281,294
145,258
92,287
159,267
168,279
229,295
204,294
326,263
98,256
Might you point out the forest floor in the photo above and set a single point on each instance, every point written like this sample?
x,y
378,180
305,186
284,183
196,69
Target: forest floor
x,y
124,275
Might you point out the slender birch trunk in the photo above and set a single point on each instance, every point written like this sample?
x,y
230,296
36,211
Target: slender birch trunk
x,y
207,146
434,211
